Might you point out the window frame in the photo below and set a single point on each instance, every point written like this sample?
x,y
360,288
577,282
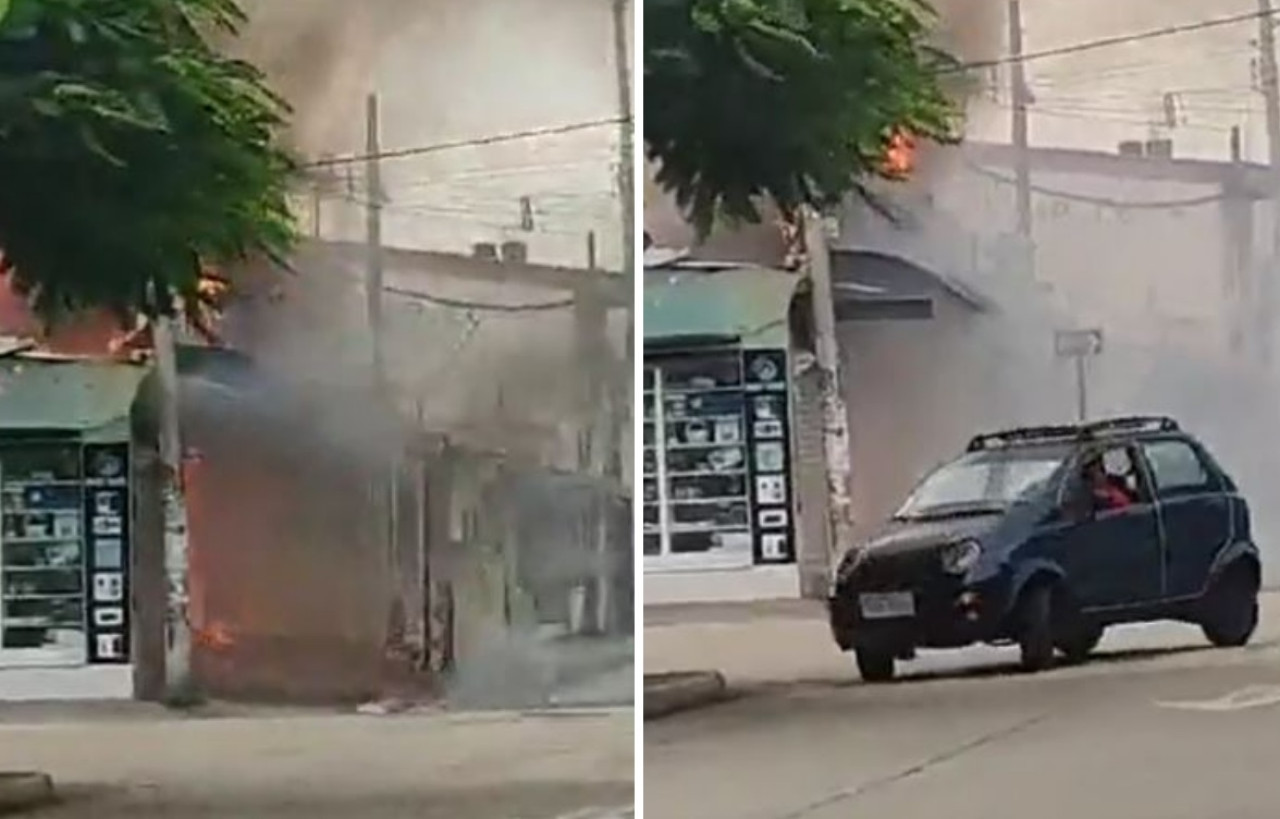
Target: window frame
x,y
1212,482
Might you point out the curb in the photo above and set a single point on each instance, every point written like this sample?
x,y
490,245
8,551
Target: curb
x,y
21,792
666,694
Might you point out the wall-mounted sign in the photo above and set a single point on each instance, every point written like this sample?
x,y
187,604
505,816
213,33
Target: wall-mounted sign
x,y
769,455
106,553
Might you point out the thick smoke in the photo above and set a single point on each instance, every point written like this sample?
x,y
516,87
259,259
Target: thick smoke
x,y
504,383
321,56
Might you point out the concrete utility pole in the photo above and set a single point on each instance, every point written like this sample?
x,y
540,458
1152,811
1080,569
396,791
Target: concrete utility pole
x,y
626,157
1238,263
373,238
599,435
835,415
382,486
1020,135
179,683
1271,93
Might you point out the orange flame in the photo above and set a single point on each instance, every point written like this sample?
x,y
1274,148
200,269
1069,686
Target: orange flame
x,y
899,155
215,637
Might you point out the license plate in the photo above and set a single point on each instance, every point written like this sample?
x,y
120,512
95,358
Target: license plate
x,y
888,605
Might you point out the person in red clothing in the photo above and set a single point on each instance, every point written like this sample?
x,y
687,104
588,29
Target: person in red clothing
x,y
1107,493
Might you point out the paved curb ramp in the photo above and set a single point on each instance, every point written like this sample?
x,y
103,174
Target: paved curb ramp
x,y
21,792
666,694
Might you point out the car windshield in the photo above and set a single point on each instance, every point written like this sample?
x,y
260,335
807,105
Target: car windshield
x,y
981,483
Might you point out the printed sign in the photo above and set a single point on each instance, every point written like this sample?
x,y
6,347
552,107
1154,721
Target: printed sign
x,y
107,532
768,402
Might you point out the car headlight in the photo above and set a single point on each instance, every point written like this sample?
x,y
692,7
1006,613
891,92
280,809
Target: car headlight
x,y
959,558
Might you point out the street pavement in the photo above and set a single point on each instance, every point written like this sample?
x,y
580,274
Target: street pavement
x,y
1158,726
122,761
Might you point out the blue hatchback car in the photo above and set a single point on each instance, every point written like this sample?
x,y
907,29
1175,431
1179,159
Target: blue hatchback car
x,y
1044,537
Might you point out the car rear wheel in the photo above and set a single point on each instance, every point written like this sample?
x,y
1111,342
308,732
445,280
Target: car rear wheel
x,y
1035,627
1231,608
1079,642
875,665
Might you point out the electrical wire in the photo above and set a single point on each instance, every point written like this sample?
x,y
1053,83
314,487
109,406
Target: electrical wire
x,y
1119,39
495,139
477,306
1092,115
1070,74
1102,201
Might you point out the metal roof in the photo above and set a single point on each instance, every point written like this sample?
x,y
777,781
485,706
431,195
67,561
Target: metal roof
x,y
66,395
728,304
868,275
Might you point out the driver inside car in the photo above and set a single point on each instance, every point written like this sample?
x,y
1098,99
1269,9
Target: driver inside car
x,y
1108,493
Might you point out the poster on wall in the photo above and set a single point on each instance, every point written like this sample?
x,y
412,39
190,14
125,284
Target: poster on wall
x,y
106,515
769,456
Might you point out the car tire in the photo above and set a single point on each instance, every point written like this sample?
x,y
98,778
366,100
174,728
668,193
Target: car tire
x,y
1035,628
875,665
1080,642
1231,608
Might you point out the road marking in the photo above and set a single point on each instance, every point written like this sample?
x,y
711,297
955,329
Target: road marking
x,y
627,812
1254,696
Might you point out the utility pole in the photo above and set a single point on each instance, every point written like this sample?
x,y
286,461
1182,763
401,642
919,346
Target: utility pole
x,y
1271,93
623,381
179,682
1238,264
626,153
835,415
373,237
1021,137
621,403
381,489
599,438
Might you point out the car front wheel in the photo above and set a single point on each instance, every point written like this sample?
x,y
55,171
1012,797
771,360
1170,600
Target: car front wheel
x,y
1035,627
1231,608
875,665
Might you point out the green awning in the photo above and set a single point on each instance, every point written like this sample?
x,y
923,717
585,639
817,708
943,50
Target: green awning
x,y
71,396
740,303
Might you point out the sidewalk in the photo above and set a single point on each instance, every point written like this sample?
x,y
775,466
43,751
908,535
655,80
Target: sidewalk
x,y
459,765
774,642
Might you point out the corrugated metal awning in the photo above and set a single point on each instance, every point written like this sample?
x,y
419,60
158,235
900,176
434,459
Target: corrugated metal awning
x,y
66,395
735,303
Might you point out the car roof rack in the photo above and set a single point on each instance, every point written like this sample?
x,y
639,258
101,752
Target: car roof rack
x,y
1071,433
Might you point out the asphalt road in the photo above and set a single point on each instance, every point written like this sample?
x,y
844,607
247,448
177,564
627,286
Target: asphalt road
x,y
1158,727
110,765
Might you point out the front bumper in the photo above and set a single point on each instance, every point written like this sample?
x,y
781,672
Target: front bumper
x,y
948,614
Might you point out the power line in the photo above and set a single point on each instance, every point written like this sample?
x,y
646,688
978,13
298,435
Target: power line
x,y
1101,201
478,306
494,139
1119,39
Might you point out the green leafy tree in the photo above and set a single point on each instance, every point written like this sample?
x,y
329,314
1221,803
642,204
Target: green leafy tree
x,y
133,154
796,101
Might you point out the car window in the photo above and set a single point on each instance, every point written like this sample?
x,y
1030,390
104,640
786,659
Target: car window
x,y
1112,478
1175,466
981,481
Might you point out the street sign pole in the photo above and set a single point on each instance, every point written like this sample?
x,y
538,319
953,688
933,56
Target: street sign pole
x,y
1082,396
1079,345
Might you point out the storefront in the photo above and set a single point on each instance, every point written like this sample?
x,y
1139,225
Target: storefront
x,y
65,529
719,498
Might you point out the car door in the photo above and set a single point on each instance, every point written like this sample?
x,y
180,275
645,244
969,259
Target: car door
x,y
1113,557
1195,513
